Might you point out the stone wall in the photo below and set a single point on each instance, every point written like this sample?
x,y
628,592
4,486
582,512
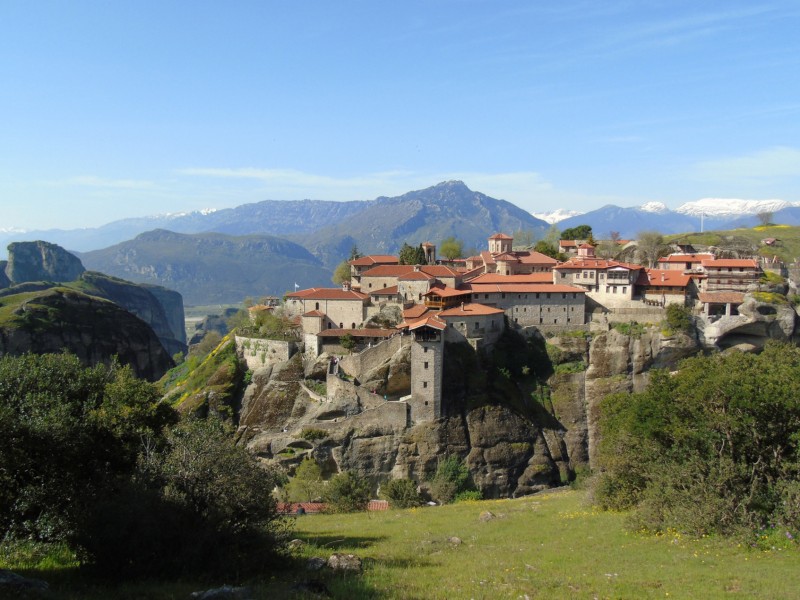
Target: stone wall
x,y
258,352
370,358
427,362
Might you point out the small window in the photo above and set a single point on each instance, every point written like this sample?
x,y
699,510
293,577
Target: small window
x,y
426,364
624,290
476,325
317,306
486,296
548,295
425,349
563,296
425,384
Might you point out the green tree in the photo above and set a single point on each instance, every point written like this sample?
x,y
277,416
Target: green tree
x,y
67,434
347,492
354,253
412,255
341,273
198,504
580,232
348,342
548,249
523,238
307,484
451,248
709,448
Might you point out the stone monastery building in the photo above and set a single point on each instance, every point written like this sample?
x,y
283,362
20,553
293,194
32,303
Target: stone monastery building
x,y
476,300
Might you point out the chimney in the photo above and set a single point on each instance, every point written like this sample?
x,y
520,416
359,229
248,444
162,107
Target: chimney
x,y
346,286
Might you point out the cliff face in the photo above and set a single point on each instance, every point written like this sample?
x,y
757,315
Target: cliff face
x,y
149,303
34,266
41,261
516,438
95,330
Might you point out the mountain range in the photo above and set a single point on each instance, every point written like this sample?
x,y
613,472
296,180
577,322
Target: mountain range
x,y
266,247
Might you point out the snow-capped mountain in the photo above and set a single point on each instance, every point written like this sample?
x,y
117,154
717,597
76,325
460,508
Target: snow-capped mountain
x,y
654,207
732,207
554,216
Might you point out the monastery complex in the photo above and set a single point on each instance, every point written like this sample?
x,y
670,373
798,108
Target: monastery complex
x,y
474,300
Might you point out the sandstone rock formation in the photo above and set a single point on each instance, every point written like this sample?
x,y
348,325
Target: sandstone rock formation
x,y
41,261
95,330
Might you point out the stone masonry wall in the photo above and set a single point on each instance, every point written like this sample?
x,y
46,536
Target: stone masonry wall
x,y
370,358
258,352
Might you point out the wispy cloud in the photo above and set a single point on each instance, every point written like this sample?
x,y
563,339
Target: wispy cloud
x,y
765,166
101,182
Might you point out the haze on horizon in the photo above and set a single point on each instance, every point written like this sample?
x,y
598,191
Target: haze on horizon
x,y
114,110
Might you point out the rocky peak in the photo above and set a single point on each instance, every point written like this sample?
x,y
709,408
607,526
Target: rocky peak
x,y
41,261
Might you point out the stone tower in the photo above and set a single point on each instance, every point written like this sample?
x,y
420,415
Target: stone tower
x,y
430,252
500,243
427,358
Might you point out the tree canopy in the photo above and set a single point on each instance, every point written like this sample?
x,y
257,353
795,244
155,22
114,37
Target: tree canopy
x,y
341,273
579,232
451,248
713,448
412,255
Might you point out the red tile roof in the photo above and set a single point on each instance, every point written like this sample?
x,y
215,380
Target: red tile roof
x,y
415,276
447,292
730,262
501,236
596,263
389,291
506,257
721,297
314,313
568,243
432,321
375,259
400,270
328,294
522,288
535,258
663,278
545,277
471,310
415,312
684,258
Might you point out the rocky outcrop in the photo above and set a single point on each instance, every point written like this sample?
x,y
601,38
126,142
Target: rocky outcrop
x,y
144,302
95,330
218,323
41,261
4,280
762,316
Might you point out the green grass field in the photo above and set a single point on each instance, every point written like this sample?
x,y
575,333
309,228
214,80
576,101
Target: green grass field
x,y
787,248
551,545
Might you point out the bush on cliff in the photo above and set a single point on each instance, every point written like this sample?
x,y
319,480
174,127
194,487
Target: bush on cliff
x,y
714,448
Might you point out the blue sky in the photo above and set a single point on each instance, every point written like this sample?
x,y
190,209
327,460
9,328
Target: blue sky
x,y
117,109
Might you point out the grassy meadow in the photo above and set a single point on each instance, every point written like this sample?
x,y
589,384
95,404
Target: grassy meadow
x,y
551,545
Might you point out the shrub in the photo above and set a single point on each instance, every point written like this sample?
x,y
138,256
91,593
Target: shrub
x,y
307,484
633,329
771,278
707,450
311,434
468,496
347,492
401,493
571,367
199,505
679,318
452,477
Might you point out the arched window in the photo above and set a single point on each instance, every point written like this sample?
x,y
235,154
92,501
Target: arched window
x,y
352,326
